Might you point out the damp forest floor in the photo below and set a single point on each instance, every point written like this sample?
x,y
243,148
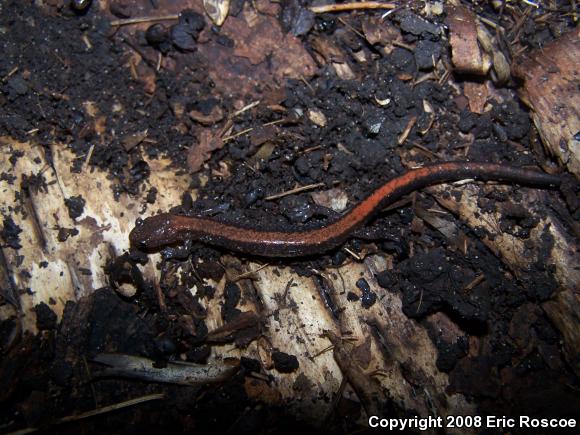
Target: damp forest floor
x,y
245,115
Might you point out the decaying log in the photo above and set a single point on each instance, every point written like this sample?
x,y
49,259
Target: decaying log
x,y
520,254
551,89
393,359
53,265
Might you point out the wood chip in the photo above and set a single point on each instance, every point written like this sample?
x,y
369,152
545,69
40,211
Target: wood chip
x,y
465,52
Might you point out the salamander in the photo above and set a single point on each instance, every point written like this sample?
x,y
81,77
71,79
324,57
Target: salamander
x,y
165,229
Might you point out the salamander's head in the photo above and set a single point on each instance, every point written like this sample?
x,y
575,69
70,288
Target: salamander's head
x,y
154,232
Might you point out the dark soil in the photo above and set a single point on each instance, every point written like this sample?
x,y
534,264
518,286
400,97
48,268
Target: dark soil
x,y
47,73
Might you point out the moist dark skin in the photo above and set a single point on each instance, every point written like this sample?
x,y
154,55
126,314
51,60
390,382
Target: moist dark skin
x,y
167,229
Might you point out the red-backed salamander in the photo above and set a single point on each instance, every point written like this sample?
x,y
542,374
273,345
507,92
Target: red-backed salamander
x,y
167,229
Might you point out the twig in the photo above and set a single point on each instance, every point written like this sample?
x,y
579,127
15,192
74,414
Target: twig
x,y
10,74
250,272
306,83
426,150
309,150
476,281
424,78
98,411
326,349
246,108
528,2
487,22
292,191
114,407
278,121
351,7
239,133
420,302
444,77
403,137
352,28
88,158
127,21
354,254
403,45
159,60
160,297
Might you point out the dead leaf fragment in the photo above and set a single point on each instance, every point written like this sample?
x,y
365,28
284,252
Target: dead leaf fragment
x,y
378,31
217,10
264,152
130,141
198,154
263,134
334,55
477,95
488,43
262,55
501,67
215,116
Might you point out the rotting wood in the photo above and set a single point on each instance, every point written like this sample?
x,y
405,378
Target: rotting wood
x,y
75,266
551,90
296,314
467,57
519,254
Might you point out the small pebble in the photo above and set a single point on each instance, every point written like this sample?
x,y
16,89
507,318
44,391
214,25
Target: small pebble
x,y
80,5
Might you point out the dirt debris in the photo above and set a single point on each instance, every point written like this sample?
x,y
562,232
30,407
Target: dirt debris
x,y
278,98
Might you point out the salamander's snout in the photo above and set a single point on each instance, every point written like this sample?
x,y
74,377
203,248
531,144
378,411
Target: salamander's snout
x,y
136,236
